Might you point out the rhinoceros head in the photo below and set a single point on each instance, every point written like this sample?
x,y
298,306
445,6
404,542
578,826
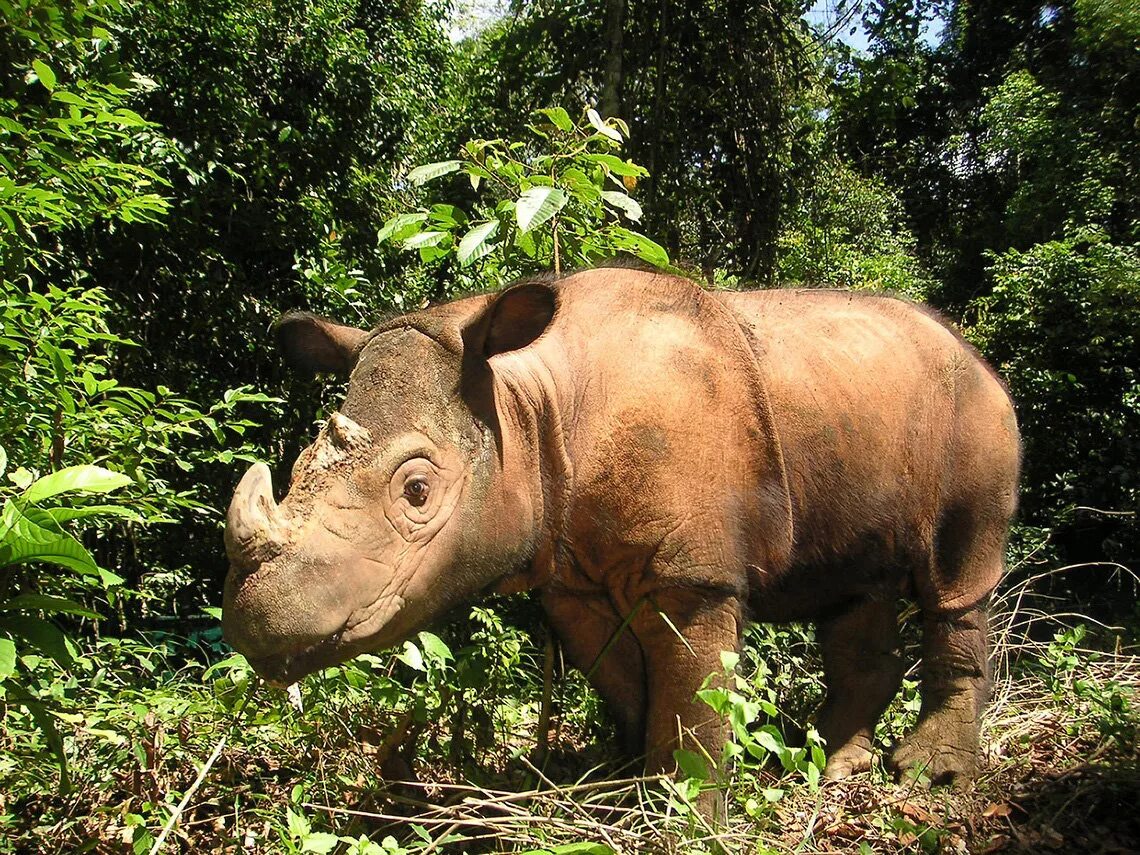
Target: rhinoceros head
x,y
414,497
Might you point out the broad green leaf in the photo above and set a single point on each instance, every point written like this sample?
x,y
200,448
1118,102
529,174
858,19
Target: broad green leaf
x,y
235,660
582,848
62,515
412,656
447,215
44,73
616,165
475,243
7,658
431,171
601,127
84,478
320,842
434,647
32,535
641,246
400,226
691,764
622,201
43,636
44,602
559,118
424,239
525,242
537,205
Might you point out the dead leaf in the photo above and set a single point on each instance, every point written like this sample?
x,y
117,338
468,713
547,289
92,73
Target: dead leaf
x,y
917,813
994,809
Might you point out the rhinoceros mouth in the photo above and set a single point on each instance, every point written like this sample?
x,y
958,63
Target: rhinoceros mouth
x,y
281,670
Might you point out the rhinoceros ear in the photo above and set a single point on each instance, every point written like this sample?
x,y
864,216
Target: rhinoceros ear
x,y
517,317
317,345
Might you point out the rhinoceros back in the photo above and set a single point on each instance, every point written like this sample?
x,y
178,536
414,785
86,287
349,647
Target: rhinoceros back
x,y
900,445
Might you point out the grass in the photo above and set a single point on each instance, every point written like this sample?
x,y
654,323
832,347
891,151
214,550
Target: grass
x,y
141,720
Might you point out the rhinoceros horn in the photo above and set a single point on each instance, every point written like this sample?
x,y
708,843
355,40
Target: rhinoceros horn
x,y
254,529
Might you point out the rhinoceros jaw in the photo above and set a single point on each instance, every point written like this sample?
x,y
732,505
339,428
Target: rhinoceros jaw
x,y
374,618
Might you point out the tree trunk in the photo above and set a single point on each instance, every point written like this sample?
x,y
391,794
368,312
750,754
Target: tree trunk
x,y
612,80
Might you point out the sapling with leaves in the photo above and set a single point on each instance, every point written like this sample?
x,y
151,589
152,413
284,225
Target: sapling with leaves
x,y
558,201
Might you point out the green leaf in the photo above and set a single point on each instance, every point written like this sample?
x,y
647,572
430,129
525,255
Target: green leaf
x,y
412,657
691,764
31,534
641,246
431,171
44,602
3,460
537,205
622,201
582,848
434,647
447,216
616,165
475,243
43,636
559,118
320,842
84,478
401,226
424,239
44,73
62,515
7,658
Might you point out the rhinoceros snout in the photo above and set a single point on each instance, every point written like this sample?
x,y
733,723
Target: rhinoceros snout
x,y
254,530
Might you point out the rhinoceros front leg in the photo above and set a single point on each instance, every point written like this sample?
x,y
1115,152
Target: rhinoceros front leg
x,y
682,634
955,688
588,624
862,671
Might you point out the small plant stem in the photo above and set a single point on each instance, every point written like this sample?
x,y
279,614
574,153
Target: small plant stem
x,y
154,850
435,844
542,737
557,260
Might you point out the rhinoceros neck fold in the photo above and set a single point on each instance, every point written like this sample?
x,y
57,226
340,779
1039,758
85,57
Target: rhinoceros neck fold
x,y
534,397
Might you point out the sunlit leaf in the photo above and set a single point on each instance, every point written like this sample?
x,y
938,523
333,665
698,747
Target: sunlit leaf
x,y
537,205
7,658
82,479
46,603
44,73
601,127
475,243
431,171
400,226
559,118
622,201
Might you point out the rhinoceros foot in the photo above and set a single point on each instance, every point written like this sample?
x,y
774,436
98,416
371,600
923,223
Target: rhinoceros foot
x,y
943,748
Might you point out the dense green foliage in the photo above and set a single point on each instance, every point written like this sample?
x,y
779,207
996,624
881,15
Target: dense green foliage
x,y
174,175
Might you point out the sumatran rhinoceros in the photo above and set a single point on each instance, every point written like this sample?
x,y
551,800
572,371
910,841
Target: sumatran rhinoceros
x,y
655,459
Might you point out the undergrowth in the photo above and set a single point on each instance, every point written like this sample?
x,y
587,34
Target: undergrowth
x,y
432,748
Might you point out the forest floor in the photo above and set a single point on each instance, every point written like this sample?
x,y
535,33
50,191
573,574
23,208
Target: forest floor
x,y
201,759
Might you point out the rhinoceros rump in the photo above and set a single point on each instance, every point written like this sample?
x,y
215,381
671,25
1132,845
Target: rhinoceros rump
x,y
618,439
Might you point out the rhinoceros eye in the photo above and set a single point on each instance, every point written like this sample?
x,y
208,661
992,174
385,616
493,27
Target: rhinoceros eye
x,y
416,491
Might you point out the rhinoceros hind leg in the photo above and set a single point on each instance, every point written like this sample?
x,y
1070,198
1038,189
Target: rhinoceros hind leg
x,y
955,688
863,673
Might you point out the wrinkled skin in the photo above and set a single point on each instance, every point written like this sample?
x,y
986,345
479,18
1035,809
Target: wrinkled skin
x,y
627,443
